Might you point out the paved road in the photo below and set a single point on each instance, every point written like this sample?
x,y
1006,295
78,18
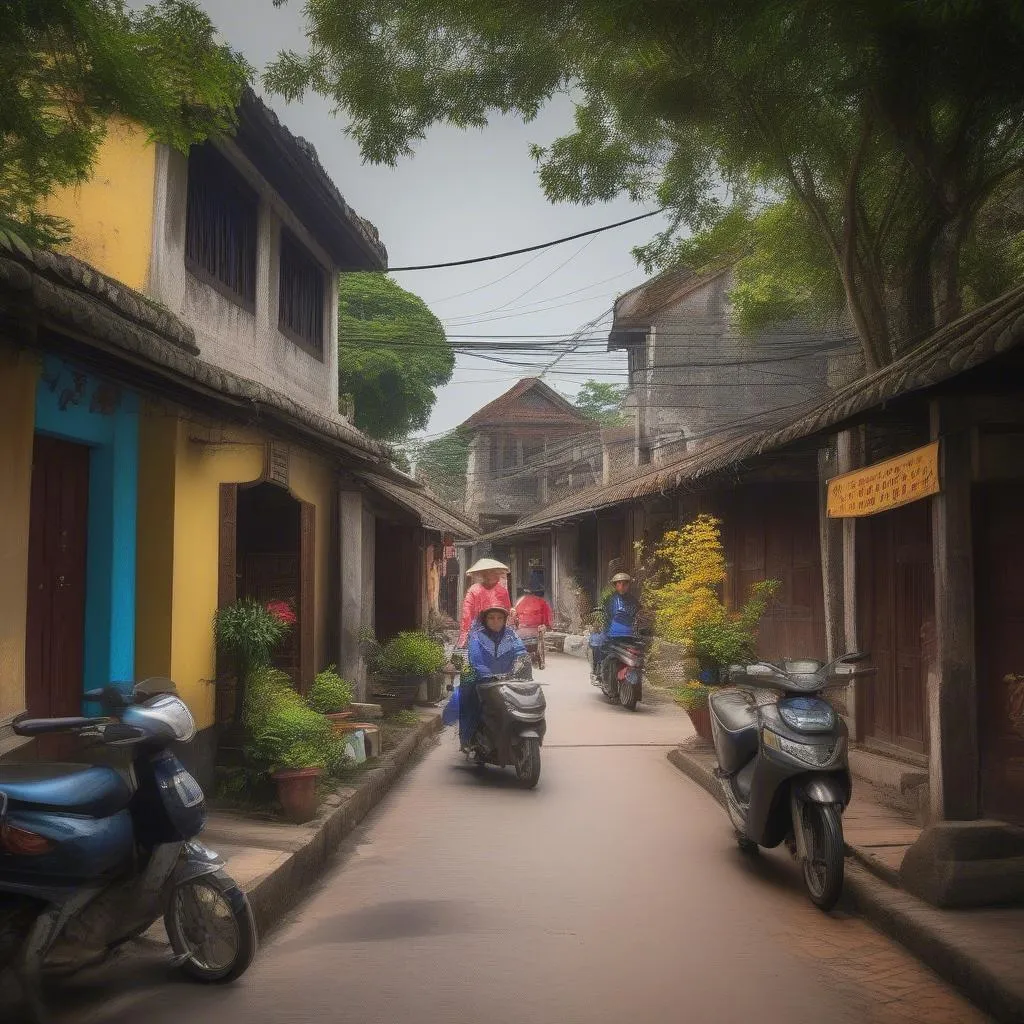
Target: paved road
x,y
612,893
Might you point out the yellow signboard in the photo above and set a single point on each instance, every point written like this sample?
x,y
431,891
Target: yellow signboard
x,y
885,485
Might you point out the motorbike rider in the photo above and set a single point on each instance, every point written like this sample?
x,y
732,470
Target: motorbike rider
x,y
494,650
621,612
487,591
535,619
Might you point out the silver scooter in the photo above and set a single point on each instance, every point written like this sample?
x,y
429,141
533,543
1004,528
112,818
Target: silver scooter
x,y
783,767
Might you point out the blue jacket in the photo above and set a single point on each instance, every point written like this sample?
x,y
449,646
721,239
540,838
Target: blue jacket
x,y
494,654
620,612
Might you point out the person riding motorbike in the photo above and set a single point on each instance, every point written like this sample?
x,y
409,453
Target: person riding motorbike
x,y
621,612
535,619
487,591
494,650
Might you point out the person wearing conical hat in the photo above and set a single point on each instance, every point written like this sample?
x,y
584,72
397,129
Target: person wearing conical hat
x,y
488,591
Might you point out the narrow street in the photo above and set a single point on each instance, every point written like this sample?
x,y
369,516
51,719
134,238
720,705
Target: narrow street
x,y
611,893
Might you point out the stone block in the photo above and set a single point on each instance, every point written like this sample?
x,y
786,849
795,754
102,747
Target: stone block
x,y
966,864
366,712
576,645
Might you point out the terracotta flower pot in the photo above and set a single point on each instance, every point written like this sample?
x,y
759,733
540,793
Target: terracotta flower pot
x,y
296,790
338,720
701,719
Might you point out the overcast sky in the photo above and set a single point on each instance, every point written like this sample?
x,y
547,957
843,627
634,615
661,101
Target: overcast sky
x,y
466,194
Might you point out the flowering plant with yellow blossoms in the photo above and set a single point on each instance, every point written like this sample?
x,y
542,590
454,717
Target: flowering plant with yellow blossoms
x,y
684,576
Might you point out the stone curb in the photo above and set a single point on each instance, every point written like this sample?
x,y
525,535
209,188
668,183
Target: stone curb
x,y
927,933
282,888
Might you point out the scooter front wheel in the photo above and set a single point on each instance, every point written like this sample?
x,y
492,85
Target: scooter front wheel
x,y
823,868
211,929
627,695
528,762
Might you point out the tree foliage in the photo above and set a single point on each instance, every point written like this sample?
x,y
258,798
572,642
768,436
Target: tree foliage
x,y
600,401
858,142
71,64
392,354
443,463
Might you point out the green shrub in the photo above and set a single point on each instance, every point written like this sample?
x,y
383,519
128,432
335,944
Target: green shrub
x,y
247,632
329,692
411,654
283,732
693,696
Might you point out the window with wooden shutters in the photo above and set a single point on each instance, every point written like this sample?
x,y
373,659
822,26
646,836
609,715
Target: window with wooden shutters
x,y
301,309
221,226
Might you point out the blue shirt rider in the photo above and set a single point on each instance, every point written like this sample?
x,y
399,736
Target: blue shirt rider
x,y
493,649
620,614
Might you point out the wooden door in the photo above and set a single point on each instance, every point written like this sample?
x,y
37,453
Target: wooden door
x,y
771,532
896,608
999,569
58,537
398,579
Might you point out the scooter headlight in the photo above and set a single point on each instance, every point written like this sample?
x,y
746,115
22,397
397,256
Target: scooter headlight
x,y
818,755
807,714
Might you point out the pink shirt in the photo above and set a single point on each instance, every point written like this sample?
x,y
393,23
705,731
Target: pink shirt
x,y
478,599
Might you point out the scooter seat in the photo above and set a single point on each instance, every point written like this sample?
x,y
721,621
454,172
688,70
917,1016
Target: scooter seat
x,y
736,735
89,790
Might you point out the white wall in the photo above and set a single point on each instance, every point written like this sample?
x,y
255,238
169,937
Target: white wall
x,y
248,344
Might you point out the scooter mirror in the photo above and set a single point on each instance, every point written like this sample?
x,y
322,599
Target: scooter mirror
x,y
854,658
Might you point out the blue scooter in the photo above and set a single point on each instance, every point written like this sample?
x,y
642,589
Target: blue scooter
x,y
89,861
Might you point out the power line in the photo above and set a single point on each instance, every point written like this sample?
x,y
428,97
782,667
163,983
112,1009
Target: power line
x,y
528,248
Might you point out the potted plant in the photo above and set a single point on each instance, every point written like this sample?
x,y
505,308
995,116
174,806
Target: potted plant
x,y
693,699
246,633
404,664
684,576
329,696
289,741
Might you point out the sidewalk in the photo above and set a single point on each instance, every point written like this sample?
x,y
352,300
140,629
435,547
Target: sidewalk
x,y
275,863
981,952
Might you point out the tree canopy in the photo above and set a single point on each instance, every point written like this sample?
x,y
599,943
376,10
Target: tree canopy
x,y
443,462
600,401
71,64
843,152
392,354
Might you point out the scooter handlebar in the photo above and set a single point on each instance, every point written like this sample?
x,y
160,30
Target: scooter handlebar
x,y
25,726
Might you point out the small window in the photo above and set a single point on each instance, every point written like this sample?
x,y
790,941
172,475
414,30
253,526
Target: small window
x,y
221,226
301,308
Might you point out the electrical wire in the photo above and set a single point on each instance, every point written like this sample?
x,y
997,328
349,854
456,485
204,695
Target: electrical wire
x,y
528,248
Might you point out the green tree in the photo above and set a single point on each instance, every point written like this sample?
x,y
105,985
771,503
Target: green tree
x,y
71,64
872,134
444,462
392,354
600,401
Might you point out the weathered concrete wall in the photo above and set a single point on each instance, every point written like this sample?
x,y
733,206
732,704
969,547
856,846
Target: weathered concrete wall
x,y
249,344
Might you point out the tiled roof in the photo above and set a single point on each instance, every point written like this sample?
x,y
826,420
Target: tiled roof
x,y
635,309
974,339
432,512
509,410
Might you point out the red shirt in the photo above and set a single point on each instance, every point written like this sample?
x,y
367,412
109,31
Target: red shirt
x,y
534,611
478,599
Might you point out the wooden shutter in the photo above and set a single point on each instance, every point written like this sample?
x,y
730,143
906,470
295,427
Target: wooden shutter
x,y
307,596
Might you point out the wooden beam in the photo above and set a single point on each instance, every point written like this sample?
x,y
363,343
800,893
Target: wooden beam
x,y
952,676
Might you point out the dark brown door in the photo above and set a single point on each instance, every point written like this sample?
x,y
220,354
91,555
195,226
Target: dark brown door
x,y
397,561
771,533
999,567
896,608
58,536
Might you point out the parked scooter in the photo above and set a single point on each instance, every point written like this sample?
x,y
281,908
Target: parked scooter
x,y
782,765
512,723
89,861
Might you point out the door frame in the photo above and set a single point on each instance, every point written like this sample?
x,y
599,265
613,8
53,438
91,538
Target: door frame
x,y
84,408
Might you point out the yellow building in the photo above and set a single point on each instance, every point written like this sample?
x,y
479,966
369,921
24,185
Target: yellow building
x,y
183,411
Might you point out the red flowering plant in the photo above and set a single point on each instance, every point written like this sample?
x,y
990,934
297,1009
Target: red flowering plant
x,y
282,611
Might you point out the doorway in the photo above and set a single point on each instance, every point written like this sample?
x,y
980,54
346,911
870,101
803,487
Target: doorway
x,y
895,611
57,545
999,554
397,579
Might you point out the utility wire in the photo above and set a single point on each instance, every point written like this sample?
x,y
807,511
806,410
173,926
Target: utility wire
x,y
528,248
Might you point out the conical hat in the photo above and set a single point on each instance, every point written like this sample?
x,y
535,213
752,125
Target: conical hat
x,y
484,564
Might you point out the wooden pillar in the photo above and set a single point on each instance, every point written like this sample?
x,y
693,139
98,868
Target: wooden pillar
x,y
849,456
952,682
350,569
831,540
